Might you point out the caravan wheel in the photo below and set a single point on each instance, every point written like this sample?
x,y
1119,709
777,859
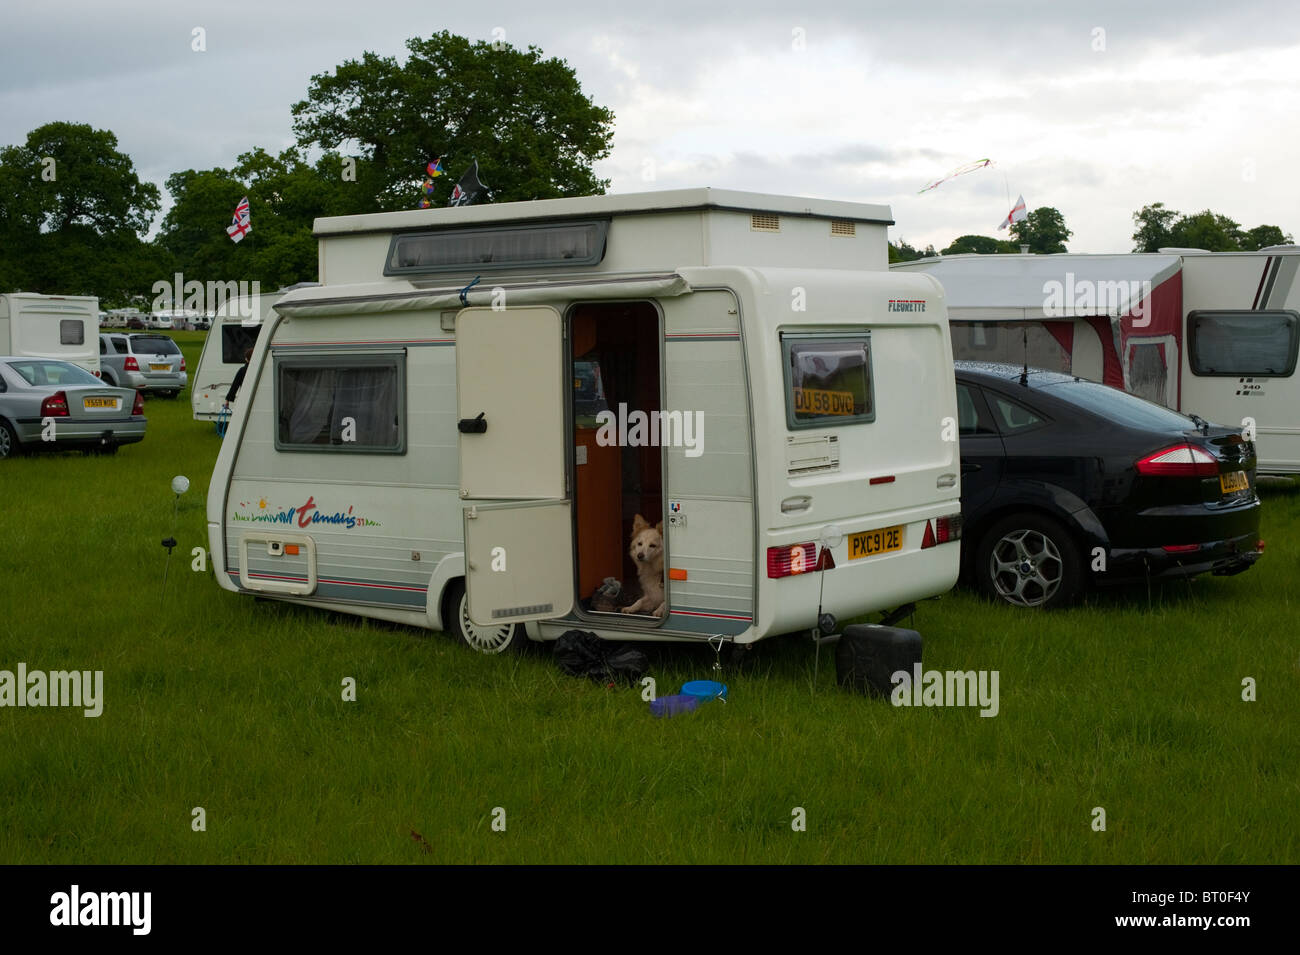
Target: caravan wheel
x,y
509,638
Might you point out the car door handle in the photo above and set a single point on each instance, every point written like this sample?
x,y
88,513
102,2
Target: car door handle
x,y
970,468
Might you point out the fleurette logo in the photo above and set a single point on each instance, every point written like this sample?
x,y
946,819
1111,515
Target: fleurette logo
x,y
75,907
907,305
83,688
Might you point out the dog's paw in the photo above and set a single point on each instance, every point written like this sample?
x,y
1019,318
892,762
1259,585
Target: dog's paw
x,y
659,611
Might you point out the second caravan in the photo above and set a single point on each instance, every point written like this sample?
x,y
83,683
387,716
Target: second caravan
x,y
460,426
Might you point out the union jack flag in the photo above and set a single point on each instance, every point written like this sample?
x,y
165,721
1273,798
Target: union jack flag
x,y
242,223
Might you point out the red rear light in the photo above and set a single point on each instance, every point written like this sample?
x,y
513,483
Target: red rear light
x,y
941,531
55,406
791,559
131,364
1181,460
97,374
138,406
182,363
1180,548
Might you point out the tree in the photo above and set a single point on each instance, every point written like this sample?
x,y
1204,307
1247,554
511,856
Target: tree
x,y
980,244
1262,236
905,253
1206,230
524,118
1043,230
1153,222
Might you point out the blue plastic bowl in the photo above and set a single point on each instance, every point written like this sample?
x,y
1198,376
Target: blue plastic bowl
x,y
705,690
672,705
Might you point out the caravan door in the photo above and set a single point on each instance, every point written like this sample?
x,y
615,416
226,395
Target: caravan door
x,y
510,400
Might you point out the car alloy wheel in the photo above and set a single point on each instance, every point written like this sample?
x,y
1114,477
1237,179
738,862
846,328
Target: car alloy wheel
x,y
8,441
1026,568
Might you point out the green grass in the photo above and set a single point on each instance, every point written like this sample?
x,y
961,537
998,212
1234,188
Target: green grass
x,y
234,705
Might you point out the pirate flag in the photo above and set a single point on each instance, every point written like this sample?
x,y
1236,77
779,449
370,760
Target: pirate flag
x,y
468,189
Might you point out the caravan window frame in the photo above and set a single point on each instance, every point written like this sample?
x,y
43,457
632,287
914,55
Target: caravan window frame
x,y
462,237
852,336
1198,367
332,359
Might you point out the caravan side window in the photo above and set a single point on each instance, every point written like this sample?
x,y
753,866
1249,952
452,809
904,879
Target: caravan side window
x,y
828,379
341,403
1258,344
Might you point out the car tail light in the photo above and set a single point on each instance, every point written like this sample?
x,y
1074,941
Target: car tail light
x,y
131,364
55,406
182,363
941,531
138,406
791,559
1180,548
1181,460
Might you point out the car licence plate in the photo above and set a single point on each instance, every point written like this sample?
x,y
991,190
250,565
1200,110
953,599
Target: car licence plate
x,y
109,403
154,366
1233,481
870,543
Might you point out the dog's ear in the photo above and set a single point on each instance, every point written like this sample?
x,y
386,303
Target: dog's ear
x,y
660,527
639,524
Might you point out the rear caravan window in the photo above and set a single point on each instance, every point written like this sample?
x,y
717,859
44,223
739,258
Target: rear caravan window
x,y
828,379
352,403
1259,344
72,331
235,340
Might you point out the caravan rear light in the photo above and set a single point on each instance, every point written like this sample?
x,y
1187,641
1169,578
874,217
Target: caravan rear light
x,y
97,374
791,559
138,406
55,406
1182,460
130,364
943,530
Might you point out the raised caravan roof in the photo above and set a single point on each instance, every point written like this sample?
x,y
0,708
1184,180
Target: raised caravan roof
x,y
634,232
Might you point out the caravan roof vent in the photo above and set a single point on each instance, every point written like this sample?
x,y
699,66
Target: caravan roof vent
x,y
761,222
843,227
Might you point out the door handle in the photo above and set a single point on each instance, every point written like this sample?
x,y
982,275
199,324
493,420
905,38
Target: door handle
x,y
472,425
970,468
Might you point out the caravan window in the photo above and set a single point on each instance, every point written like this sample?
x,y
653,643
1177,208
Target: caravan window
x,y
828,379
72,331
235,340
349,403
1258,344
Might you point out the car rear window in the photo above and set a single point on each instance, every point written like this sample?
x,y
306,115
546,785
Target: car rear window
x,y
1118,406
828,379
37,372
1260,344
154,345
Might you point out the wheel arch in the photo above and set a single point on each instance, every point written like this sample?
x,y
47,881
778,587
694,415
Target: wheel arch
x,y
1044,500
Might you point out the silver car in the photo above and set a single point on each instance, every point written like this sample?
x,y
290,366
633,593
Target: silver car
x,y
47,404
152,363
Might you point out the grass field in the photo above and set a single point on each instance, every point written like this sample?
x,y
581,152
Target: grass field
x,y
214,700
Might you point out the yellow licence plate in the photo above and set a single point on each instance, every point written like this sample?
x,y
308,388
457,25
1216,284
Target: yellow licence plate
x,y
110,403
163,367
1233,481
870,543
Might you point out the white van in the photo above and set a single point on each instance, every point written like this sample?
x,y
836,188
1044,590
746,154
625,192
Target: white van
x,y
458,428
1215,334
234,330
65,327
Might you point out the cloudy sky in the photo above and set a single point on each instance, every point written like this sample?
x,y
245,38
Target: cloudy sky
x,y
1095,108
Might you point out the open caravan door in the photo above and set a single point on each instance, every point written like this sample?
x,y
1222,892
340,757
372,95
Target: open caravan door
x,y
519,562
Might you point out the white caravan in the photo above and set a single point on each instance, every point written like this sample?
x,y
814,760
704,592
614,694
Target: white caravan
x,y
1208,333
65,327
458,428
234,330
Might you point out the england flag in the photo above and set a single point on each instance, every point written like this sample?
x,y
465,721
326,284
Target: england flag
x,y
1017,213
242,223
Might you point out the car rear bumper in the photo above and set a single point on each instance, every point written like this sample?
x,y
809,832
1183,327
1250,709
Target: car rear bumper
x,y
1221,558
157,382
82,434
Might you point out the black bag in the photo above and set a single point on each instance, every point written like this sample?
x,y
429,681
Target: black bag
x,y
582,653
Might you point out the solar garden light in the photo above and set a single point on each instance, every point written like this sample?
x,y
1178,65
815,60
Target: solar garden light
x,y
180,484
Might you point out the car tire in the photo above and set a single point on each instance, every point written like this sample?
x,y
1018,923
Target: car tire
x,y
507,639
1029,560
9,446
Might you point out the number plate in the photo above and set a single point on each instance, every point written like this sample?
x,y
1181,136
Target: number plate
x,y
154,366
870,543
91,403
1233,481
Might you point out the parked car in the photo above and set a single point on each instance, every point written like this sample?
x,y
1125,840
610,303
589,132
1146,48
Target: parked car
x,y
135,321
152,363
1068,483
46,404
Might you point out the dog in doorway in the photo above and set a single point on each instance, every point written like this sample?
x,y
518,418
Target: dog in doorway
x,y
647,550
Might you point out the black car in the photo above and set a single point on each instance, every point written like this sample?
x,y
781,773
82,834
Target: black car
x,y
1068,483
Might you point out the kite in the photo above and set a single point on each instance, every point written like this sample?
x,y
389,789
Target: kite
x,y
435,168
959,171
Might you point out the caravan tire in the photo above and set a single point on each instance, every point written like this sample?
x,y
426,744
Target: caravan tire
x,y
505,639
1029,560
